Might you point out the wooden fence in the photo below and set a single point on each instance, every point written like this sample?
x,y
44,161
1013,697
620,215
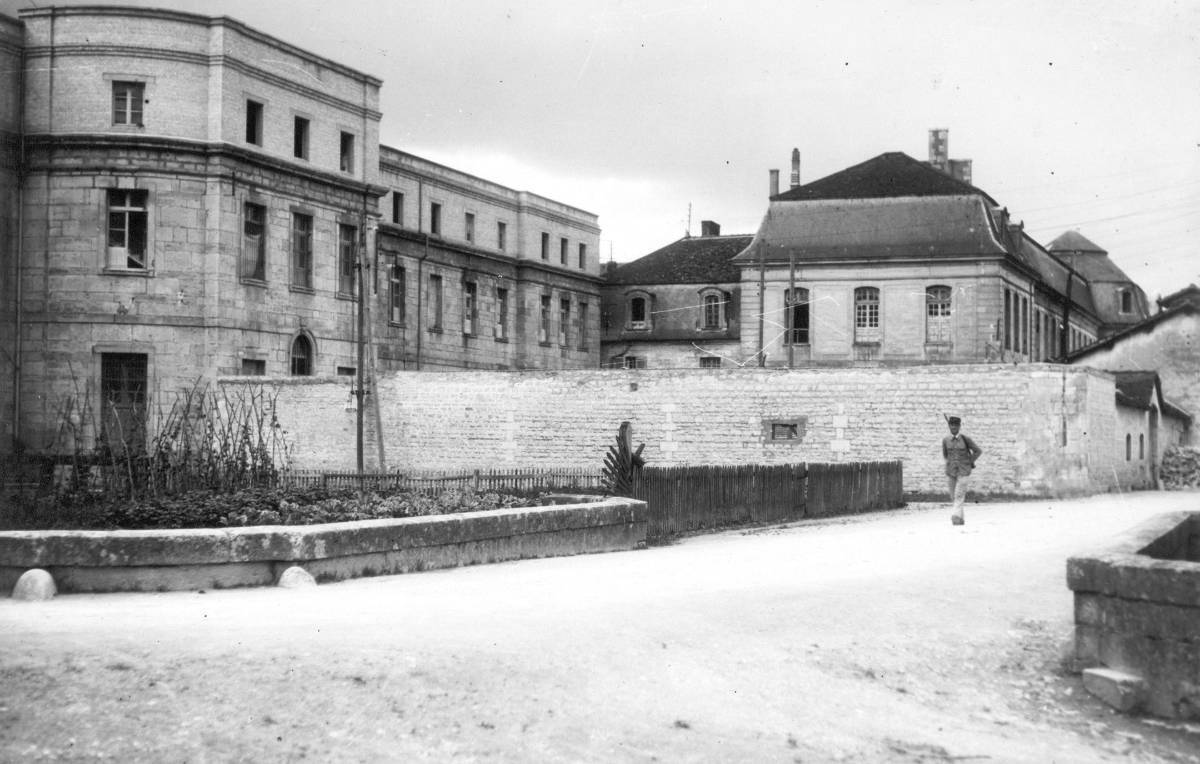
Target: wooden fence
x,y
687,499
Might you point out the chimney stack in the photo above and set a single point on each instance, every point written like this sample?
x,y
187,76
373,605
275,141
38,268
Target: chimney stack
x,y
795,167
939,149
960,169
774,182
709,228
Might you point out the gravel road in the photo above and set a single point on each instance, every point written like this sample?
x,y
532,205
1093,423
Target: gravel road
x,y
884,637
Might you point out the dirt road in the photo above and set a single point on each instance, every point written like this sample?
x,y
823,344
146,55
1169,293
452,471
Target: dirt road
x,y
888,637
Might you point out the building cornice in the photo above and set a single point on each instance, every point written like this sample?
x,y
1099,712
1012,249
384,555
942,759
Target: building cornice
x,y
199,20
208,150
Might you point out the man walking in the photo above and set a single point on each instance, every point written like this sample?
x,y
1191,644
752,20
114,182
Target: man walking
x,y
960,453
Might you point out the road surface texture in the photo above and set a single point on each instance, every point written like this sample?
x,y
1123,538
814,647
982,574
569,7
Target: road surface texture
x,y
885,637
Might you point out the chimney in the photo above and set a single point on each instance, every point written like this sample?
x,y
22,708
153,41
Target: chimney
x,y
795,167
774,182
939,149
960,169
709,228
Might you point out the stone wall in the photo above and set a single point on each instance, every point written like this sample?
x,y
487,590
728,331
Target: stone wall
x,y
1045,430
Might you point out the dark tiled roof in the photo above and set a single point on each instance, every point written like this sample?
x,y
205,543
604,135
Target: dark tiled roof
x,y
892,174
691,260
1189,295
1074,241
875,228
1136,388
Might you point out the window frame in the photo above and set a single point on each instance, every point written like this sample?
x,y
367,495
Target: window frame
x,y
469,227
564,246
301,252
632,300
546,246
301,137
256,115
397,304
500,328
544,321
939,312
133,90
470,308
868,315
437,293
253,266
347,260
131,212
398,208
307,361
797,302
707,362
583,319
564,322
502,235
435,218
582,256
346,151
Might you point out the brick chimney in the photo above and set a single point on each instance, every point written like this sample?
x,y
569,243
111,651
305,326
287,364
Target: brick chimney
x,y
939,149
795,167
709,228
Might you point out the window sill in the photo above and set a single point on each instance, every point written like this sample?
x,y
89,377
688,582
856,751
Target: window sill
x,y
301,289
396,324
868,344
545,345
261,283
435,330
138,272
501,339
347,297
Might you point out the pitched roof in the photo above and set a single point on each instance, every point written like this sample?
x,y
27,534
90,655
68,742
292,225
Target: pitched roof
x,y
690,260
1145,325
875,228
1190,294
892,174
1074,241
1141,389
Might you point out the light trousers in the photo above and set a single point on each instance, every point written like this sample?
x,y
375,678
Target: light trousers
x,y
958,491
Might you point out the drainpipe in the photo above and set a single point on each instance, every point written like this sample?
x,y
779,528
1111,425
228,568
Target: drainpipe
x,y
420,266
18,317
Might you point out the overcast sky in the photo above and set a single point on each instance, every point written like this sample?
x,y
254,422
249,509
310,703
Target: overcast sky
x,y
1077,114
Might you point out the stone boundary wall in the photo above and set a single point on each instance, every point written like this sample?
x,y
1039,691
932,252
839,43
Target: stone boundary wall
x,y
1137,615
173,560
1045,429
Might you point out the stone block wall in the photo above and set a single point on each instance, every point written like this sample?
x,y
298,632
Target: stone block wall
x,y
1045,430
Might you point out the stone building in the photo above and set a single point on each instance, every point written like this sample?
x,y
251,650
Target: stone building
x,y
894,260
676,307
191,197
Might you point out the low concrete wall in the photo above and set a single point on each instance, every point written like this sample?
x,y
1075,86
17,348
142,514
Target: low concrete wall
x,y
170,560
1137,610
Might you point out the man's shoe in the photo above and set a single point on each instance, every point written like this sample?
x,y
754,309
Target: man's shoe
x,y
956,520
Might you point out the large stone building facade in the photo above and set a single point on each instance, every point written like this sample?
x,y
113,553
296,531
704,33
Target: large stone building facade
x,y
190,197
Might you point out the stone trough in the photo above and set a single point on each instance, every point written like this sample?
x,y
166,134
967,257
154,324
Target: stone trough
x,y
168,560
1137,618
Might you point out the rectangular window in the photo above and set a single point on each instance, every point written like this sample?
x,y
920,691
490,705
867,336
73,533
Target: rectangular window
x,y
583,319
583,256
635,362
254,242
347,264
501,314
123,378
710,362
469,226
545,246
866,315
435,302
544,325
937,315
300,138
785,430
501,236
254,122
127,229
346,371
127,102
470,307
1025,325
253,367
397,208
396,295
798,302
435,218
302,247
562,251
564,321
347,152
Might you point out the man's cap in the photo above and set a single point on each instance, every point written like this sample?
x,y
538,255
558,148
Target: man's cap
x,y
955,420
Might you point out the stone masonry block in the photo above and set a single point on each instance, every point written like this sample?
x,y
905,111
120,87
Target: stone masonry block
x,y
1124,692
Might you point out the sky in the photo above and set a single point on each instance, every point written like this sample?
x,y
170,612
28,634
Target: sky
x,y
656,115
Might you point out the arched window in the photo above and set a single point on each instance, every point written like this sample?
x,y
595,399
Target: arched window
x,y
1128,447
302,356
796,303
937,314
866,314
1142,445
639,309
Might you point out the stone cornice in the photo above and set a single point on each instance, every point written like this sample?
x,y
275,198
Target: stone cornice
x,y
209,151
